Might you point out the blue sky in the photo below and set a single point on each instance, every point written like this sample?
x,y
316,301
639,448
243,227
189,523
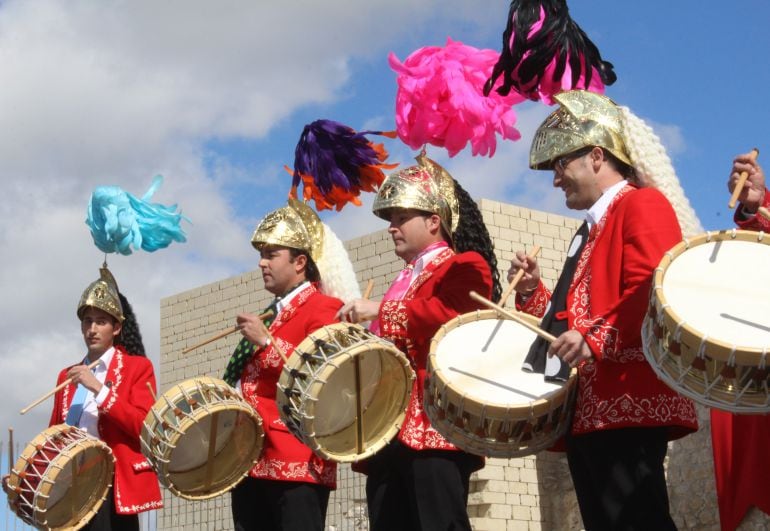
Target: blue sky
x,y
214,97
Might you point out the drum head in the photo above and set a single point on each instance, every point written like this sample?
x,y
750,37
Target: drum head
x,y
702,288
80,486
482,359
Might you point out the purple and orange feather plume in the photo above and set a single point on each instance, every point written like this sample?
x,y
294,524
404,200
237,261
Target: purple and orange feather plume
x,y
335,164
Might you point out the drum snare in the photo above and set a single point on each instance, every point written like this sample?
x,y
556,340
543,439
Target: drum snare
x,y
707,331
60,479
479,399
344,392
201,437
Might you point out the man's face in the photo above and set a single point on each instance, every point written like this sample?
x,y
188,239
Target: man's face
x,y
574,174
412,231
99,330
280,272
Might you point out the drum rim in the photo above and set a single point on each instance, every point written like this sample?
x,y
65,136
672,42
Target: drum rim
x,y
689,336
684,387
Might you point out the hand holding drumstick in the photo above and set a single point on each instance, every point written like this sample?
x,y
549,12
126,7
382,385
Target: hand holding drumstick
x,y
359,310
747,182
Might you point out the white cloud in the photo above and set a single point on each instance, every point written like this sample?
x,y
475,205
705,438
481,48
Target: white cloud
x,y
115,92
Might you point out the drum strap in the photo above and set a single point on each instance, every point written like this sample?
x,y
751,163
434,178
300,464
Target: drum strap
x,y
555,319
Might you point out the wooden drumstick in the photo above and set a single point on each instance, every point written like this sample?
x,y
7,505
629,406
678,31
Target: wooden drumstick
x,y
369,288
518,276
152,393
55,390
10,450
536,329
765,213
742,180
224,333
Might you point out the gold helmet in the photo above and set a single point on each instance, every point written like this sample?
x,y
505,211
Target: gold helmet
x,y
295,225
427,187
102,294
583,119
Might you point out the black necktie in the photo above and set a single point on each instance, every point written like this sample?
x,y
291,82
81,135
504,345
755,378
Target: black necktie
x,y
555,319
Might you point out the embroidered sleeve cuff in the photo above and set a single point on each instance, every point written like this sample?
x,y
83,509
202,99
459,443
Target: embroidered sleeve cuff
x,y
536,303
393,320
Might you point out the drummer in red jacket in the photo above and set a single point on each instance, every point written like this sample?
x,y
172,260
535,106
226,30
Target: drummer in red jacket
x,y
306,267
420,480
740,441
111,400
624,415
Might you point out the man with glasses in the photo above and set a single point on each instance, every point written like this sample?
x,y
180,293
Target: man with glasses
x,y
624,415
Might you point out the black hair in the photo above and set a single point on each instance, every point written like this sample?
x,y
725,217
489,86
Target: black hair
x,y
472,235
130,338
311,269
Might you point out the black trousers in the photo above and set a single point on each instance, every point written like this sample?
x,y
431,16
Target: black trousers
x,y
264,505
107,519
419,490
619,479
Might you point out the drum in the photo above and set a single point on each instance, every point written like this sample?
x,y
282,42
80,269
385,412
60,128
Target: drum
x,y
201,437
61,478
707,331
479,399
344,392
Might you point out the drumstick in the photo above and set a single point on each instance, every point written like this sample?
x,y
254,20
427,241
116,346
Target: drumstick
x,y
742,180
10,450
765,213
536,329
224,333
55,390
518,276
152,393
369,288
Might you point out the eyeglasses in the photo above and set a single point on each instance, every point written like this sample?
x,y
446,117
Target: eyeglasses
x,y
562,162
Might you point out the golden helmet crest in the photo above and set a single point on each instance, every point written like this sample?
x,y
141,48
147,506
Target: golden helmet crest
x,y
295,225
583,119
426,186
102,294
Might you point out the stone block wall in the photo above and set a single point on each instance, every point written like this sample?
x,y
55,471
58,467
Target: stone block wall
x,y
531,493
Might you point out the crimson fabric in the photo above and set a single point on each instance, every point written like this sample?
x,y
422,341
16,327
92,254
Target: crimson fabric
x,y
741,464
606,303
755,221
283,456
135,485
106,519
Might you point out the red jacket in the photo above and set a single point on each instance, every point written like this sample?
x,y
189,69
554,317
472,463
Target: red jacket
x,y
283,456
135,485
437,295
606,303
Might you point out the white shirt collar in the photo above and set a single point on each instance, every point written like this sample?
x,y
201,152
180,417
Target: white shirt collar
x,y
104,361
284,301
419,265
598,209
